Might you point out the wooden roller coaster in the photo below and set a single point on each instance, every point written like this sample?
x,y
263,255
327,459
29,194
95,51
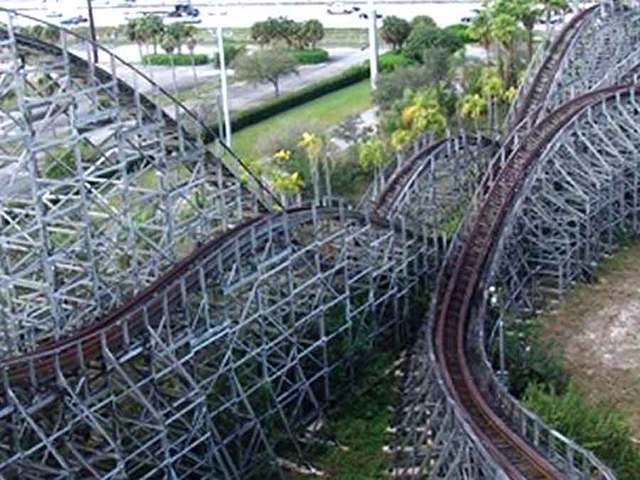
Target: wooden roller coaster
x,y
460,287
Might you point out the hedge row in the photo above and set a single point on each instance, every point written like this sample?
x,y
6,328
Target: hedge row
x,y
354,74
177,59
308,56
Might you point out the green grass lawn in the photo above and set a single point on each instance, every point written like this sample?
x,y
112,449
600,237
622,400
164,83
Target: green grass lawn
x,y
325,111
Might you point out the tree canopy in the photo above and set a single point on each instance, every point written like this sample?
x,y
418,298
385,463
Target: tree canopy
x,y
395,31
291,33
423,37
265,66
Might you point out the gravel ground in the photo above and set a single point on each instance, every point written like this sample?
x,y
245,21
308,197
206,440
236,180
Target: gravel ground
x,y
598,329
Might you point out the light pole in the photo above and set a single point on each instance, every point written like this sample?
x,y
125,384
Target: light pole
x,y
223,80
373,45
92,28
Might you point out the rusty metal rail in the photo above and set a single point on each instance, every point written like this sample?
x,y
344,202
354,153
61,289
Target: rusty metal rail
x,y
459,287
534,93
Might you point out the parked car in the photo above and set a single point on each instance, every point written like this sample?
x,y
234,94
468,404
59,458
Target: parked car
x,y
184,10
74,20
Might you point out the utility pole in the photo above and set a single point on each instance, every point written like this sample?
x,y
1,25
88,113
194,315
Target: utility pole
x,y
92,28
373,45
223,82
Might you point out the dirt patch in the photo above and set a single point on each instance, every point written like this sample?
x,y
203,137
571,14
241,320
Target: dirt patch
x,y
597,329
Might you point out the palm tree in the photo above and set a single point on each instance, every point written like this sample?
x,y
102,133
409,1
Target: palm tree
x,y
153,29
481,30
136,33
506,31
529,15
168,43
492,90
191,45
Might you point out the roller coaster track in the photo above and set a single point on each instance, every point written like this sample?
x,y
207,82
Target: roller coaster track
x,y
303,259
147,172
217,363
459,287
535,93
119,327
449,152
128,94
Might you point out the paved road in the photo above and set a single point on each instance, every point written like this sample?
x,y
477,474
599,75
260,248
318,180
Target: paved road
x,y
241,94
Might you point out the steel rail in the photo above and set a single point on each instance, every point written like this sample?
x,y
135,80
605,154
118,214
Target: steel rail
x,y
459,287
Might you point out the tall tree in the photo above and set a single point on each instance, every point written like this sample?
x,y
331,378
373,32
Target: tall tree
x,y
314,32
423,20
506,31
191,45
262,33
480,29
285,29
154,29
180,32
395,31
528,13
265,66
136,33
424,38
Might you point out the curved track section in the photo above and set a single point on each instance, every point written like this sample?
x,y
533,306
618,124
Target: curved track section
x,y
103,190
594,50
514,442
604,51
431,188
212,369
579,199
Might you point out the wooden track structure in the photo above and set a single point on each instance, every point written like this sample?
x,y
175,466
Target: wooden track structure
x,y
202,337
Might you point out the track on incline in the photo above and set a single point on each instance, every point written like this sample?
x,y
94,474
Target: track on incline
x,y
459,288
536,92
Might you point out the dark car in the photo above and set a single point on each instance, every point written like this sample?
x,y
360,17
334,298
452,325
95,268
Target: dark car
x,y
74,20
184,10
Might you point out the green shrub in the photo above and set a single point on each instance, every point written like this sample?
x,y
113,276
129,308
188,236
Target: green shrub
x,y
599,428
309,55
532,359
389,61
177,59
461,31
